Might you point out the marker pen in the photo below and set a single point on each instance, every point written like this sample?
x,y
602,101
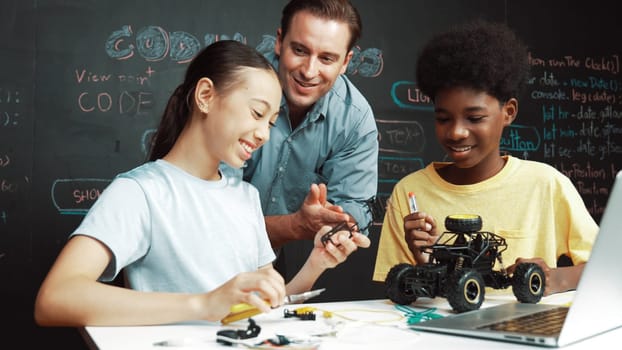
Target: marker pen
x,y
412,202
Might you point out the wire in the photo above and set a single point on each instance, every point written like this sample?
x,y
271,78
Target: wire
x,y
414,316
341,314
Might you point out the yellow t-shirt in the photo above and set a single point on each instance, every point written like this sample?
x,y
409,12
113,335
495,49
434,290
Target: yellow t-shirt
x,y
532,205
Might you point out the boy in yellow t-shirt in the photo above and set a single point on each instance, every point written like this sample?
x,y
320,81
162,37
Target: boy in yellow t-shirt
x,y
474,74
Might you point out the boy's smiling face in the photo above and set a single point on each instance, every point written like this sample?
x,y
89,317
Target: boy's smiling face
x,y
469,125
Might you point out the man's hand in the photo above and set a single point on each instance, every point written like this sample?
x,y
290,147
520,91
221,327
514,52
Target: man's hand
x,y
316,211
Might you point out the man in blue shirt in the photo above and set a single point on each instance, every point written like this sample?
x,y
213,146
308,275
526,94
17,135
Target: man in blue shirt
x,y
320,166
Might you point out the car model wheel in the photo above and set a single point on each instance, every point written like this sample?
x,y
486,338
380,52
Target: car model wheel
x,y
463,223
466,290
398,290
528,283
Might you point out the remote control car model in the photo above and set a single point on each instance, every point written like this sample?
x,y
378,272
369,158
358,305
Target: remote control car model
x,y
461,266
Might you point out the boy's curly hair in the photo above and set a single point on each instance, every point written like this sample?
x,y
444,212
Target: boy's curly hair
x,y
480,55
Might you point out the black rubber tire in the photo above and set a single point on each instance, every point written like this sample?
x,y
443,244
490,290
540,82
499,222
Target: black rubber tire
x,y
465,290
464,223
528,283
396,287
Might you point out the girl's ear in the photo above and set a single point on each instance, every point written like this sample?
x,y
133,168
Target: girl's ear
x,y
203,93
510,110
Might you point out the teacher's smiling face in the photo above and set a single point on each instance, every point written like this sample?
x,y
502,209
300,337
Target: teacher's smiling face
x,y
312,54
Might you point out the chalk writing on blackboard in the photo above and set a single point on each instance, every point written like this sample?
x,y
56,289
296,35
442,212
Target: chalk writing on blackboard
x,y
392,169
521,139
367,63
10,99
84,76
592,181
576,102
5,160
154,43
607,63
401,144
13,180
406,94
123,102
9,96
401,136
8,186
145,140
76,196
96,97
8,119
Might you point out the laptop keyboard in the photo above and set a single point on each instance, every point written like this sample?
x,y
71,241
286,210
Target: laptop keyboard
x,y
548,322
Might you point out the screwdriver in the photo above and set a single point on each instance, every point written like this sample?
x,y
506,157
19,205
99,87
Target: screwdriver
x,y
242,311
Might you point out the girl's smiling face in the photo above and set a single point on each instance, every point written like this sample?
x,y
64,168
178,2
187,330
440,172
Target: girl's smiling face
x,y
239,120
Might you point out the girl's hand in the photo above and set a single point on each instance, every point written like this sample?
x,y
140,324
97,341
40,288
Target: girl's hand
x,y
337,249
264,288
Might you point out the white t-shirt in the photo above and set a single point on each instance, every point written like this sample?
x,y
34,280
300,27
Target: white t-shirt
x,y
174,232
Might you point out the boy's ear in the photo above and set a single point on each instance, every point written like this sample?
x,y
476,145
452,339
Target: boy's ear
x,y
510,110
203,93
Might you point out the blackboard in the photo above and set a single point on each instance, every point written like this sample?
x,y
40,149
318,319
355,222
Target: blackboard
x,y
83,83
571,113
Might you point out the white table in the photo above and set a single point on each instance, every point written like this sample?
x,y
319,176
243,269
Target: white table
x,y
367,324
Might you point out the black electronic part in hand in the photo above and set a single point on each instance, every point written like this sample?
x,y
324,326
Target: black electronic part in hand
x,y
327,237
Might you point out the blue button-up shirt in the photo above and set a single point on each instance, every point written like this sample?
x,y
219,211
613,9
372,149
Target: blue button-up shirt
x,y
336,144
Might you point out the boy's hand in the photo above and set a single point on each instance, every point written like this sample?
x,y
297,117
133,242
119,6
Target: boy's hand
x,y
419,230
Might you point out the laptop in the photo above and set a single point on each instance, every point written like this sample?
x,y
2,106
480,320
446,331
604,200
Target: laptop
x,y
599,289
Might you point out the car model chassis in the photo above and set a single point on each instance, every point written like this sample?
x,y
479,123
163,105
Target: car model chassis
x,y
460,266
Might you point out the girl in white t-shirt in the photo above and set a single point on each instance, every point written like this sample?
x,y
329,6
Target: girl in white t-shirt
x,y
190,239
